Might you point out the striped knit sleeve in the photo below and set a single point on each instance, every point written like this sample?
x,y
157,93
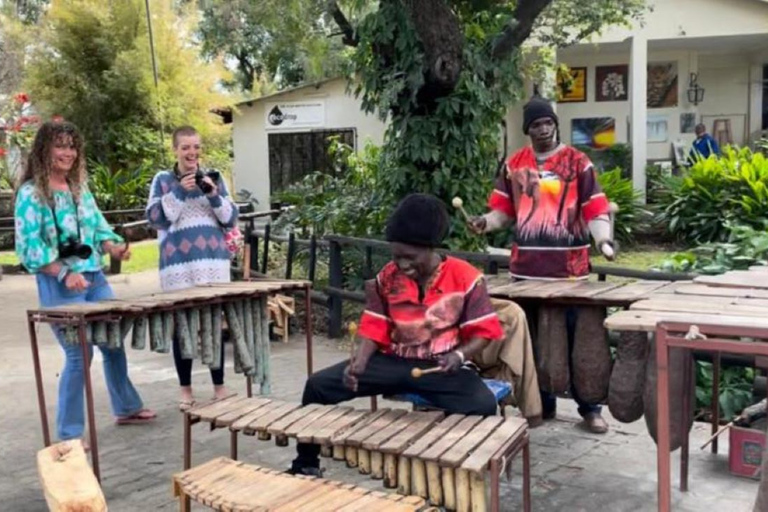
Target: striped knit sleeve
x,y
166,201
223,207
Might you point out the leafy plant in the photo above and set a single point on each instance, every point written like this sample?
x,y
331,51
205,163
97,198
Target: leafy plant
x,y
122,189
631,214
17,130
735,389
616,156
746,246
350,201
715,192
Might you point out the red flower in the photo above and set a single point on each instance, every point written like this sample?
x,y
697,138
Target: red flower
x,y
2,152
57,119
21,98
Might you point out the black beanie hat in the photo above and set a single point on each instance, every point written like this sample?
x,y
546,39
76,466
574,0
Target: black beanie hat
x,y
535,109
419,219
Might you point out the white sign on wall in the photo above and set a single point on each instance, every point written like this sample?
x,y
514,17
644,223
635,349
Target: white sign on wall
x,y
295,114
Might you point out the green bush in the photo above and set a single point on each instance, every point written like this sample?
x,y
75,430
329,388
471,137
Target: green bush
x,y
120,190
349,202
618,155
631,214
715,192
735,389
745,246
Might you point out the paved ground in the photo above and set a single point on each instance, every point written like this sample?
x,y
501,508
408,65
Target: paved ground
x,y
573,470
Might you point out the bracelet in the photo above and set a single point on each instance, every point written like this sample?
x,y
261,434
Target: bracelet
x,y
62,273
460,354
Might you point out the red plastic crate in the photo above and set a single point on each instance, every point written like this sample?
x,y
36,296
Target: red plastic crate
x,y
746,451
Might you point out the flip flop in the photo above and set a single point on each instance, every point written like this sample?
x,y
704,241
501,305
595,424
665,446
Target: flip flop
x,y
187,404
137,418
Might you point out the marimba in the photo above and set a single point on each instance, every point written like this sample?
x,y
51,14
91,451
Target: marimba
x,y
444,459
225,484
156,316
711,314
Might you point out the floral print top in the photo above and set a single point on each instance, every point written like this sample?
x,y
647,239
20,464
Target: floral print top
x,y
36,244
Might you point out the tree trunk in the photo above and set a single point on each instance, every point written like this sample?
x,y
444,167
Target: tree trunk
x,y
441,36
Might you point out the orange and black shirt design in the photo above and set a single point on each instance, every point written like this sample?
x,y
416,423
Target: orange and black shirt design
x,y
551,199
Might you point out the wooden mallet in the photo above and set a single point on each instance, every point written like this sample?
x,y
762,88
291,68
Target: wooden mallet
x,y
459,205
418,372
352,329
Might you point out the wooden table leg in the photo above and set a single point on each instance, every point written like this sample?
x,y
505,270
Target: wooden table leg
x,y
684,448
89,399
233,444
662,397
715,398
39,381
187,441
527,475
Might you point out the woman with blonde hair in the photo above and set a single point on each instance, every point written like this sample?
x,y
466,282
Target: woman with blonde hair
x,y
61,236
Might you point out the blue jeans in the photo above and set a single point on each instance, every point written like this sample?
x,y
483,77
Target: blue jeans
x,y
70,414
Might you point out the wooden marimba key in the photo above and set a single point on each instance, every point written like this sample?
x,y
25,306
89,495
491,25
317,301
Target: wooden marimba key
x,y
443,459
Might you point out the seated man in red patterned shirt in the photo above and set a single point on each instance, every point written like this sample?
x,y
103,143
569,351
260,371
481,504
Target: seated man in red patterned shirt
x,y
423,310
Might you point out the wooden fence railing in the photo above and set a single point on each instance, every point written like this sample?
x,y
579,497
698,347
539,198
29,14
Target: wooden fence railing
x,y
334,293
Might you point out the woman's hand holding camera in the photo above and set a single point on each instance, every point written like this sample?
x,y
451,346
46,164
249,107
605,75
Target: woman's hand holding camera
x,y
214,190
75,282
187,182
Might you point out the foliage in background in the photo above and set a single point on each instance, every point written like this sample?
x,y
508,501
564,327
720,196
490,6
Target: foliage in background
x,y
92,66
616,156
121,189
280,42
17,130
349,201
745,246
444,113
715,193
735,389
631,215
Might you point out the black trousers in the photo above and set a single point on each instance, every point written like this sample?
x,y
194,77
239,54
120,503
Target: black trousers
x,y
184,366
461,392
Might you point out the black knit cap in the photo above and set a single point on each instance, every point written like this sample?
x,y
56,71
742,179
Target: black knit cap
x,y
535,109
420,219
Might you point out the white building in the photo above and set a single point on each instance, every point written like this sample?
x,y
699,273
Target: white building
x,y
279,138
721,45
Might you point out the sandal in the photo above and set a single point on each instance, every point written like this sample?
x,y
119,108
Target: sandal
x,y
186,404
137,418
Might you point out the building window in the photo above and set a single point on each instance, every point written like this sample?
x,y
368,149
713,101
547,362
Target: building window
x,y
295,155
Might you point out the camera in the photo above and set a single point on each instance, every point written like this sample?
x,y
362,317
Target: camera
x,y
73,247
205,187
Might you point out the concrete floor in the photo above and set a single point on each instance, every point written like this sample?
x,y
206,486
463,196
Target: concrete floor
x,y
572,470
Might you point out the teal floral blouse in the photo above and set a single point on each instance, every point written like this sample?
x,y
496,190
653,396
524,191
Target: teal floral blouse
x,y
36,243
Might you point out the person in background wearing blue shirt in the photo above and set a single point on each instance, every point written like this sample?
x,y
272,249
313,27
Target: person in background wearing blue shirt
x,y
703,146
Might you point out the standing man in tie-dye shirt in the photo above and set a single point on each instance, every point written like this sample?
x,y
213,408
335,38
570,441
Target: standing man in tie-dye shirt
x,y
422,310
550,193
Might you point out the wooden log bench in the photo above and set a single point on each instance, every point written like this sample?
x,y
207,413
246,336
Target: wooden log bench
x,y
68,480
227,485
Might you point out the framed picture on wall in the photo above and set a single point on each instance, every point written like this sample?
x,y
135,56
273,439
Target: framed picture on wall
x,y
657,128
662,85
612,83
572,85
595,132
687,122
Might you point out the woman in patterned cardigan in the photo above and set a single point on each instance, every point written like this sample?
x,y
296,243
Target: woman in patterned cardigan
x,y
191,211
